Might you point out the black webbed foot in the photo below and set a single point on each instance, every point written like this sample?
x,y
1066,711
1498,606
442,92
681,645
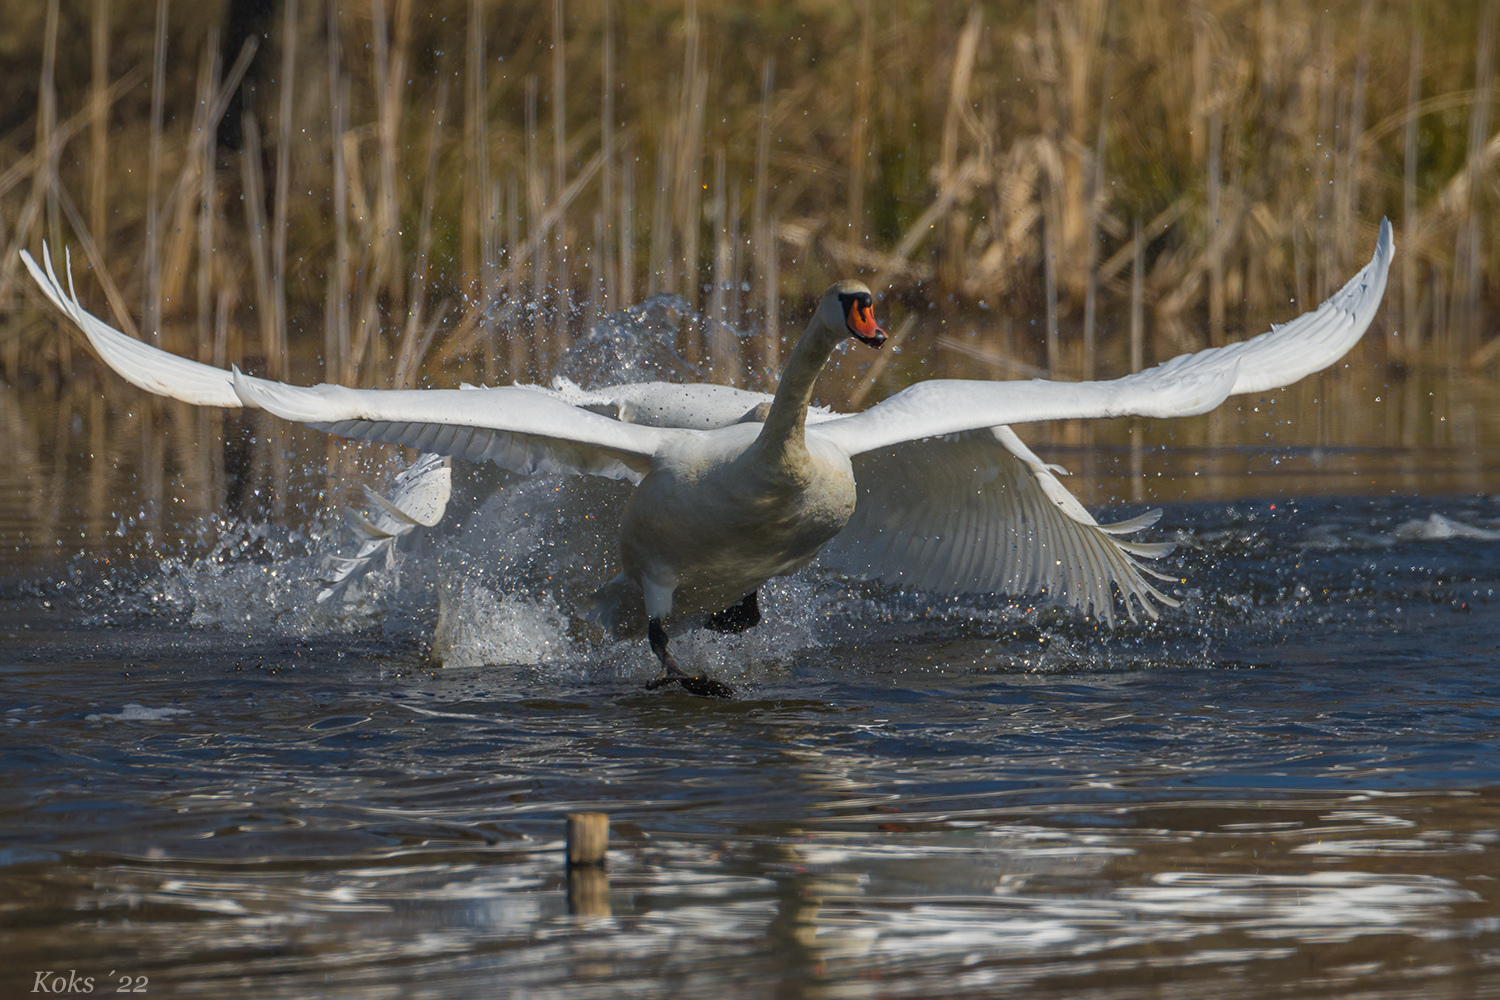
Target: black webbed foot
x,y
671,673
703,687
706,687
738,618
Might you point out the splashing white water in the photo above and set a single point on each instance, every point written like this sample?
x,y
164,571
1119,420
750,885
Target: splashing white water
x,y
1439,528
479,627
136,713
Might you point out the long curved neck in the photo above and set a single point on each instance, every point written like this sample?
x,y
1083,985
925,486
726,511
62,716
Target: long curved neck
x,y
784,434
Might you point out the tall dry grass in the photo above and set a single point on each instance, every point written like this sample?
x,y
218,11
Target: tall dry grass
x,y
1095,184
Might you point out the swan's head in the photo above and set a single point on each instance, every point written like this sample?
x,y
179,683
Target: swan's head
x,y
848,306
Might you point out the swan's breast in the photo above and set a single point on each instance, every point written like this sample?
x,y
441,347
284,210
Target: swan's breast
x,y
718,520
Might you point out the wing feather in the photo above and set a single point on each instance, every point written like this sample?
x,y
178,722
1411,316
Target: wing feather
x,y
138,363
522,429
1184,386
966,559
965,512
516,428
1132,525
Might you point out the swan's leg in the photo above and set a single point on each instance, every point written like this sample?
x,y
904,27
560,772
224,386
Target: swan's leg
x,y
671,673
743,615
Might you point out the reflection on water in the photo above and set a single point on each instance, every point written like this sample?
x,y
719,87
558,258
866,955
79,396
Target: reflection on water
x,y
354,830
1285,788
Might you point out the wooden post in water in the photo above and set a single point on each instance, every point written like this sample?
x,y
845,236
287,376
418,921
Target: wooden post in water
x,y
588,885
588,838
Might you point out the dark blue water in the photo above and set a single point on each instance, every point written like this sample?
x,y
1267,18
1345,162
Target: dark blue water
x,y
1288,787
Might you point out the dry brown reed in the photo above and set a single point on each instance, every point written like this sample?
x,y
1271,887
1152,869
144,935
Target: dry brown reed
x,y
1015,176
208,207
1409,198
288,81
561,283
337,363
98,109
151,310
763,229
47,112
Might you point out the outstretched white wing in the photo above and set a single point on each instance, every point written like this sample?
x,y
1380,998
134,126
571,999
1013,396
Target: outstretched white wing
x,y
1185,386
978,512
516,428
140,364
521,429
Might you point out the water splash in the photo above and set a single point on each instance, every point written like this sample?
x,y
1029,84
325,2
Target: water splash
x,y
133,712
478,626
637,344
1439,528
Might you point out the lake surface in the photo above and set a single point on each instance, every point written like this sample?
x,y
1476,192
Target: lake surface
x,y
1288,787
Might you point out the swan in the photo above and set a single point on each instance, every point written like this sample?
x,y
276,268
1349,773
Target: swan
x,y
929,488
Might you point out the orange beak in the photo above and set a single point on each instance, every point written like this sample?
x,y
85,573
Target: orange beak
x,y
861,322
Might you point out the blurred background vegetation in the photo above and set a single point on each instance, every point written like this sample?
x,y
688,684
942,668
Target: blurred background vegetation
x,y
386,192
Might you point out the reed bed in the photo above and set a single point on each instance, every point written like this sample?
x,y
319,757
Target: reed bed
x,y
381,192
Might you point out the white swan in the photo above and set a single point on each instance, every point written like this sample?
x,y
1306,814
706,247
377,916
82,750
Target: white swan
x,y
930,487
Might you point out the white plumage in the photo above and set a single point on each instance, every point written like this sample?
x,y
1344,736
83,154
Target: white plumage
x,y
419,499
929,488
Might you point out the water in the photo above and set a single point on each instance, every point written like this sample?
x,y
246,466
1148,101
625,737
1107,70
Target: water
x,y
214,786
